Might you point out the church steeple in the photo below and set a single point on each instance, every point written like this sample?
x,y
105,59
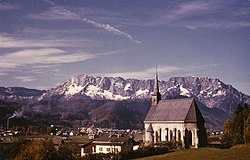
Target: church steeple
x,y
156,96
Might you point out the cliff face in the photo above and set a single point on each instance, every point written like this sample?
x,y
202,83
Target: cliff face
x,y
217,100
210,91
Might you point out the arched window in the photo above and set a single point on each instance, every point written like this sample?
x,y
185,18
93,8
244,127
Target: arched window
x,y
166,135
190,138
179,136
171,135
156,136
175,134
160,134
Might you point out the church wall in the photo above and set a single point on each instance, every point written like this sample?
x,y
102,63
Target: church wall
x,y
172,131
167,131
192,127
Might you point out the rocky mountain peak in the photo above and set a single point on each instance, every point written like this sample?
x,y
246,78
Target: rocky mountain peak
x,y
218,100
210,91
20,94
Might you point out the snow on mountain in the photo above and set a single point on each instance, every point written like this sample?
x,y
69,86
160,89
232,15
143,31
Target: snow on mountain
x,y
111,88
73,89
94,91
142,92
20,94
218,100
210,91
184,91
127,87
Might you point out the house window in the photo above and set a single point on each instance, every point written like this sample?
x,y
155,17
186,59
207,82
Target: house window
x,y
108,150
101,149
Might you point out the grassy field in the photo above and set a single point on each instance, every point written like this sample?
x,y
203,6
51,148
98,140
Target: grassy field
x,y
239,152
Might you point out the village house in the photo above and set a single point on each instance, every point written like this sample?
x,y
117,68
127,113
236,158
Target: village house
x,y
176,120
108,144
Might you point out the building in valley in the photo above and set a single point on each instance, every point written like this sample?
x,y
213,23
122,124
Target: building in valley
x,y
109,144
176,120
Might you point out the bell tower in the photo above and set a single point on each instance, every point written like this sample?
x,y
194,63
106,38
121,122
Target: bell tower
x,y
156,96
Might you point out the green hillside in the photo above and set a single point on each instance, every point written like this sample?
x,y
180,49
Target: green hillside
x,y
238,152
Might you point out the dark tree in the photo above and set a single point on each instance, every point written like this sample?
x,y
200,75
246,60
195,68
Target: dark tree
x,y
37,150
237,129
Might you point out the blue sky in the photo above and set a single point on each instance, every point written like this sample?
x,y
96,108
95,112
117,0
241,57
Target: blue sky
x,y
45,42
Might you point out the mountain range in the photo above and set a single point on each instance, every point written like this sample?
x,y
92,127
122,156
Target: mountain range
x,y
123,103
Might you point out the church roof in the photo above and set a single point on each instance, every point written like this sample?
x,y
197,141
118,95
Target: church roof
x,y
175,110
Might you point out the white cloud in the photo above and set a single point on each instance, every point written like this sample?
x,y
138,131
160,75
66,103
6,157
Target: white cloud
x,y
45,56
50,2
43,87
191,8
7,6
3,73
163,72
223,24
56,13
147,73
25,78
182,11
8,41
203,14
61,13
41,59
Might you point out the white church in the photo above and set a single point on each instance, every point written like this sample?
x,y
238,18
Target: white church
x,y
176,120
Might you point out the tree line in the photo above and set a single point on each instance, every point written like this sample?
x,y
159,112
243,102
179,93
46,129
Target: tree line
x,y
237,128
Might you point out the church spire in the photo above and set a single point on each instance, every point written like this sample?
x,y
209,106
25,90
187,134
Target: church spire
x,y
156,86
156,96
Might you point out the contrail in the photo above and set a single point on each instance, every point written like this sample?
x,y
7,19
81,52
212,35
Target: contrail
x,y
111,29
106,27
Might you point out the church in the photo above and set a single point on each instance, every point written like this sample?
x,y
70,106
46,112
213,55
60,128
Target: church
x,y
174,120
